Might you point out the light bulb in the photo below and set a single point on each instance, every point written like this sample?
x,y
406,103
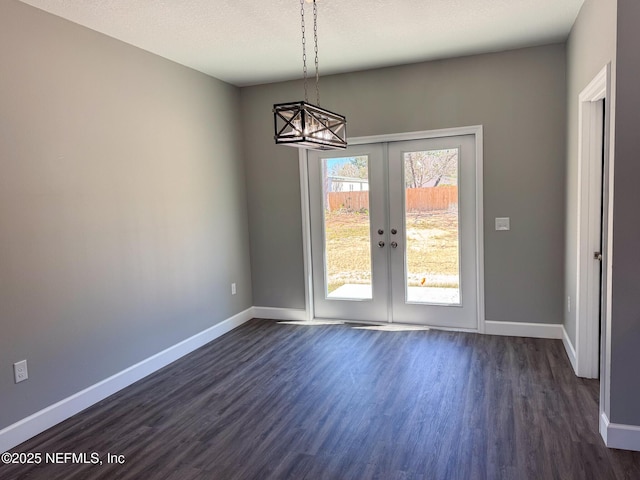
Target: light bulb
x,y
296,125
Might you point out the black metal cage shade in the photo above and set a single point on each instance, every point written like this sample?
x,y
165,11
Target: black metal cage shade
x,y
303,125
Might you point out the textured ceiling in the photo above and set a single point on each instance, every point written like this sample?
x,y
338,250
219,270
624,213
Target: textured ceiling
x,y
248,42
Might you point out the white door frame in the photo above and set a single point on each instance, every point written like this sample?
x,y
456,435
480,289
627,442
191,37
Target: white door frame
x,y
592,188
475,130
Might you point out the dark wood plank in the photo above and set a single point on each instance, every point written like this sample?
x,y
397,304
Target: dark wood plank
x,y
270,400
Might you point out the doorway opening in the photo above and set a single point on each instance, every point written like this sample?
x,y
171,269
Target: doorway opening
x,y
592,257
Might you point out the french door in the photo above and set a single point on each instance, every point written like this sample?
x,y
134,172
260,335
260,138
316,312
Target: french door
x,y
393,232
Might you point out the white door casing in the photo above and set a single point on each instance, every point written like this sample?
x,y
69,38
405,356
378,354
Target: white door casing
x,y
592,162
473,291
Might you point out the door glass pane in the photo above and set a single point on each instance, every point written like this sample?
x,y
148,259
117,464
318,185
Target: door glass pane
x,y
432,236
347,237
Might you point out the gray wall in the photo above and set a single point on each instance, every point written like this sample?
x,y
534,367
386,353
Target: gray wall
x,y
606,31
591,45
625,307
122,206
519,97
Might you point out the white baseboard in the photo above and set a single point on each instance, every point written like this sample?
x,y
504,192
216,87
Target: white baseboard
x,y
48,417
616,435
571,351
280,313
516,329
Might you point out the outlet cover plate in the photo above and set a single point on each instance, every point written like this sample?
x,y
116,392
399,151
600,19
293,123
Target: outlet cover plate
x,y
20,371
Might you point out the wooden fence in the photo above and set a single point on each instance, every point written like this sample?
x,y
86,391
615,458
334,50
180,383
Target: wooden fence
x,y
348,201
432,198
418,199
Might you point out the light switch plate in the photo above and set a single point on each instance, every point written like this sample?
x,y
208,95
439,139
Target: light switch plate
x,y
503,223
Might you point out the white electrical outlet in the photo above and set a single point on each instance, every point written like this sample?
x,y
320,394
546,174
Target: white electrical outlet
x,y
20,371
233,289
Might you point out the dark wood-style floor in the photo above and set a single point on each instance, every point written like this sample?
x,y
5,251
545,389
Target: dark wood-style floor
x,y
269,400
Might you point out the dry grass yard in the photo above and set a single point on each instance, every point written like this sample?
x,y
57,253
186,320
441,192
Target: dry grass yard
x,y
432,248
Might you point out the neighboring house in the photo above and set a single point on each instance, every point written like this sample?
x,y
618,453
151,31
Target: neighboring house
x,y
347,184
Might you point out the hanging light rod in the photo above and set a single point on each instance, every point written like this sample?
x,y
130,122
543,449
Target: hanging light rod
x,y
302,124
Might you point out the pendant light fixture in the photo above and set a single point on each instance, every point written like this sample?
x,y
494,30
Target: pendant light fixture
x,y
302,124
